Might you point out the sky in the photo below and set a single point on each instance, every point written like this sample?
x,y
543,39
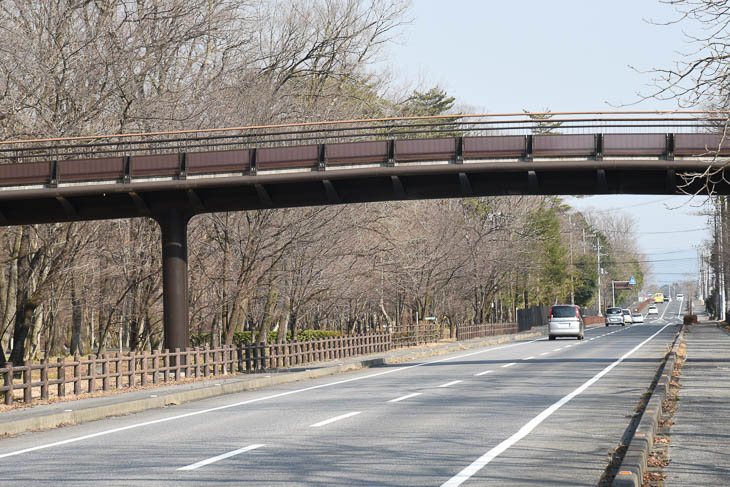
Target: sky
x,y
499,56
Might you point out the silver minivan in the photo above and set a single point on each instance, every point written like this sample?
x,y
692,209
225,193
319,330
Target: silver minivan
x,y
565,321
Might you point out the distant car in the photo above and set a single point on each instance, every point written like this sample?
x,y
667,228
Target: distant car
x,y
680,295
637,317
627,316
565,320
652,310
614,316
666,299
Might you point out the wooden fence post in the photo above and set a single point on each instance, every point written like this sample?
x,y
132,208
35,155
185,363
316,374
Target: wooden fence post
x,y
27,382
92,374
105,372
9,384
44,380
61,377
77,374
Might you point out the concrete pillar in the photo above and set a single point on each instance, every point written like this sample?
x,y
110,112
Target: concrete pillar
x,y
174,225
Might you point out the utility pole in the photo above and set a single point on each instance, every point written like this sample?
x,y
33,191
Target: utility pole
x,y
572,270
598,242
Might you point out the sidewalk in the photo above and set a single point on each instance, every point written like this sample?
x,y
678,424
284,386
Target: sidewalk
x,y
698,451
78,411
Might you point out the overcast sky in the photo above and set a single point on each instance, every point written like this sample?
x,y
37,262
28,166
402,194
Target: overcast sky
x,y
564,55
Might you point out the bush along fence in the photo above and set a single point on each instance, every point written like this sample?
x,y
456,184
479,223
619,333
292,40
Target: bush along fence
x,y
71,377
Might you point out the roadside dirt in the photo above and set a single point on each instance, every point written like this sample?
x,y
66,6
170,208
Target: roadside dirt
x,y
659,456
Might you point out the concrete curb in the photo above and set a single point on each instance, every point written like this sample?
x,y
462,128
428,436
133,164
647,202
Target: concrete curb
x,y
42,421
634,464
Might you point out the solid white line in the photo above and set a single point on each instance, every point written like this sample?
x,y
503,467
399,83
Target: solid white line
x,y
252,401
529,358
230,454
407,396
336,418
509,365
484,373
451,383
482,461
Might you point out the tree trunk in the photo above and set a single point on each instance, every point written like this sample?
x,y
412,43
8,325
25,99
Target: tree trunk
x,y
76,319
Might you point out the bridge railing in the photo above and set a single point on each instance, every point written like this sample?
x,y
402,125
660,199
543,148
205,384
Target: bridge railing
x,y
406,128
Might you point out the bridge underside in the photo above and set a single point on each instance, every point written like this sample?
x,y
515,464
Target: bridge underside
x,y
154,198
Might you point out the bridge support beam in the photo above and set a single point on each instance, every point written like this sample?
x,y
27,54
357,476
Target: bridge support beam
x,y
174,226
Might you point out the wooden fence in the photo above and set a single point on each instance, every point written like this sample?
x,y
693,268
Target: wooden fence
x,y
414,335
63,377
484,330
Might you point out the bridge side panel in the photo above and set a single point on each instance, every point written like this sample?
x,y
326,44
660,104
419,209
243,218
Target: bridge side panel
x,y
156,165
563,145
218,161
302,157
425,149
701,144
357,153
108,168
495,146
634,144
26,173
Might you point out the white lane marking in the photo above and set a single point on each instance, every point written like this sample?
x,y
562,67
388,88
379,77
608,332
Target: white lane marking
x,y
407,396
230,454
509,365
529,358
336,418
252,401
451,383
484,373
557,349
545,353
482,461
590,340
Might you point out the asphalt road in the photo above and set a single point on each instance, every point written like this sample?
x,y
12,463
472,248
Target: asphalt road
x,y
528,413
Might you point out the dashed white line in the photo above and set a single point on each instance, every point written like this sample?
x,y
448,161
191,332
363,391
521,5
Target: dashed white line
x,y
529,358
407,396
557,349
544,353
230,454
451,383
490,455
483,373
509,365
336,418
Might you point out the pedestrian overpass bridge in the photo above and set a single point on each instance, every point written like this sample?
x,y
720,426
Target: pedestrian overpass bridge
x,y
172,176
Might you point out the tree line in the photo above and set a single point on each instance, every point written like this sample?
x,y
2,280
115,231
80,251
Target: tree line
x,y
120,66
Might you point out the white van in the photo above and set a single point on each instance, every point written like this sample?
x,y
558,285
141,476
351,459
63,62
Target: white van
x,y
565,321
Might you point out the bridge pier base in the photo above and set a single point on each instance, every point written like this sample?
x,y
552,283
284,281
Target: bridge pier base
x,y
174,226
